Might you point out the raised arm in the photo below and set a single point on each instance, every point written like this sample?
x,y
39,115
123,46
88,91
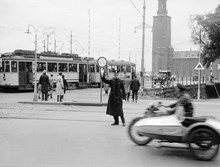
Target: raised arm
x,y
104,79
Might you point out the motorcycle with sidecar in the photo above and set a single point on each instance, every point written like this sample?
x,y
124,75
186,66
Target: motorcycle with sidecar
x,y
200,134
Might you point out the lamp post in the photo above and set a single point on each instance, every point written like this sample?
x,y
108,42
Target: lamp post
x,y
35,62
143,26
48,39
143,42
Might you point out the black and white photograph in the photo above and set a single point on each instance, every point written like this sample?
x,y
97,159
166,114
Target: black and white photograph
x,y
109,83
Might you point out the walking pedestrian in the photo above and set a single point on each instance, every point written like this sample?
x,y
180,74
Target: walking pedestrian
x,y
59,87
65,86
106,88
127,83
135,85
51,86
39,91
116,96
45,85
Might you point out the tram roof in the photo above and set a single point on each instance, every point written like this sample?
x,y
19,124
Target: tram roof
x,y
45,56
113,62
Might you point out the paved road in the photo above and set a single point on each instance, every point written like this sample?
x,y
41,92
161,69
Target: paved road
x,y
59,135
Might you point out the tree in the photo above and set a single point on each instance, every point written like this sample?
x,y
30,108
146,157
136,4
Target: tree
x,y
206,33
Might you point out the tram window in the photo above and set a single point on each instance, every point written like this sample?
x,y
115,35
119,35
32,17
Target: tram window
x,y
29,67
41,66
123,69
62,67
52,67
97,68
7,66
128,68
111,68
13,66
118,68
133,68
92,68
72,67
1,66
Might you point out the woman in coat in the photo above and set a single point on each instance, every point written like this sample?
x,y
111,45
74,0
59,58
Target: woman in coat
x,y
116,96
65,86
59,87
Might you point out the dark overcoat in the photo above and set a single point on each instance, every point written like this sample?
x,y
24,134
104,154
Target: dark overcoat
x,y
135,84
45,83
116,96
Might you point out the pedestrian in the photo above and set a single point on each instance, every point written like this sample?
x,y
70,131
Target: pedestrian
x,y
59,87
39,91
51,86
127,83
65,86
106,88
45,85
135,85
116,96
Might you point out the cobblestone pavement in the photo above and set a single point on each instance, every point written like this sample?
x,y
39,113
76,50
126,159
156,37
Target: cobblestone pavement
x,y
9,106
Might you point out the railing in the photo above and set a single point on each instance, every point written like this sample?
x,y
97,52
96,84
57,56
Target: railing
x,y
148,83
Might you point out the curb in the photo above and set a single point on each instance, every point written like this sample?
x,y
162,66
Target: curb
x,y
63,103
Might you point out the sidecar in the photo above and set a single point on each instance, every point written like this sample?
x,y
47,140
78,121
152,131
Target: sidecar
x,y
201,134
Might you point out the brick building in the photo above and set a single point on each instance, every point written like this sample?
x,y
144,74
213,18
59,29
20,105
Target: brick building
x,y
184,63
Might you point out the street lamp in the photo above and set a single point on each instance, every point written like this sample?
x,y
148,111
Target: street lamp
x,y
48,39
35,62
143,41
143,26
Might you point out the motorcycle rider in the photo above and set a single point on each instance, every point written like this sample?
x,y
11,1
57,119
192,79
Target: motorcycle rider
x,y
184,101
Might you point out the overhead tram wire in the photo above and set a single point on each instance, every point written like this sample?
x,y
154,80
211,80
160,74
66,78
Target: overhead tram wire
x,y
136,8
11,28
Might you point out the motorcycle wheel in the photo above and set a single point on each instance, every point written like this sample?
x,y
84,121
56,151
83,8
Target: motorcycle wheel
x,y
203,145
136,137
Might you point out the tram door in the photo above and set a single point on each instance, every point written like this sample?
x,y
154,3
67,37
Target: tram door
x,y
25,74
83,73
22,74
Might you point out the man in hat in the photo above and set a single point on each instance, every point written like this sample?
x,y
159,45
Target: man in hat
x,y
45,85
116,96
184,101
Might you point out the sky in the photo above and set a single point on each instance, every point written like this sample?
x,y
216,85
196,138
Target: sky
x,y
99,27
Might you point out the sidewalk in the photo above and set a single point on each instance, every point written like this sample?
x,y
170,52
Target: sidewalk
x,y
92,97
80,97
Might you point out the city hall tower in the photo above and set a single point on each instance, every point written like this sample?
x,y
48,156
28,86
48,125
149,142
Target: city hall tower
x,y
161,48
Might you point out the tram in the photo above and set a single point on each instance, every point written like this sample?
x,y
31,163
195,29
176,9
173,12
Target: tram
x,y
17,69
125,68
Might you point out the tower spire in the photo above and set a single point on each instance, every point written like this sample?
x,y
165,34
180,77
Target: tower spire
x,y
162,7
